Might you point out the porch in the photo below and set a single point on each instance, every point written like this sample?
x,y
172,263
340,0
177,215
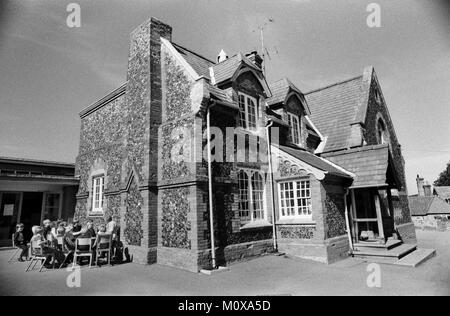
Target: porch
x,y
371,215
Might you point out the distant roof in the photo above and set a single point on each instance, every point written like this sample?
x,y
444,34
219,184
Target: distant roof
x,y
315,161
428,205
334,108
443,192
36,162
24,169
199,63
369,164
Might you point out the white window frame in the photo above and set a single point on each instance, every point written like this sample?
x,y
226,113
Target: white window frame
x,y
296,186
250,198
244,113
291,122
98,193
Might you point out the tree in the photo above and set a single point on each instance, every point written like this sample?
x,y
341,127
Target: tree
x,y
444,177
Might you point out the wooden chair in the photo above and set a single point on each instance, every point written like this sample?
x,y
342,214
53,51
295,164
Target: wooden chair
x,y
103,245
66,252
37,254
80,244
16,251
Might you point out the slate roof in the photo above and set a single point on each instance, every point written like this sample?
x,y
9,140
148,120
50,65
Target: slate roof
x,y
369,164
199,63
222,96
428,205
280,89
443,192
315,161
334,108
226,69
275,117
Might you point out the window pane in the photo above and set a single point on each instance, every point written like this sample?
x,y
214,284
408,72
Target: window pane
x,y
296,130
52,206
251,113
258,196
303,198
243,196
97,194
242,119
287,199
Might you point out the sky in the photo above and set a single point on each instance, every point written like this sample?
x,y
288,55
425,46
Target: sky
x,y
49,72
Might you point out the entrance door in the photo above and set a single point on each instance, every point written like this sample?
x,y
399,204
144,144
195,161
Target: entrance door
x,y
9,213
31,211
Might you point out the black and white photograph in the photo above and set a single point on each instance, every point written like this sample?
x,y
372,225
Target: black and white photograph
x,y
231,155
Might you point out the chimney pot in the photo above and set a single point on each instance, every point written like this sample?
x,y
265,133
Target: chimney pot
x,y
420,186
222,56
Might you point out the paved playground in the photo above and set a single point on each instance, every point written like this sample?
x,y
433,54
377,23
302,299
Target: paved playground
x,y
270,275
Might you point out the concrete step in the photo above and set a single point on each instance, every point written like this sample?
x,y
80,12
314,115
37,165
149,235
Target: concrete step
x,y
416,257
376,246
393,253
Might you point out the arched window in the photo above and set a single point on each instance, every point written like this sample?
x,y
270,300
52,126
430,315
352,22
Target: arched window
x,y
382,135
251,195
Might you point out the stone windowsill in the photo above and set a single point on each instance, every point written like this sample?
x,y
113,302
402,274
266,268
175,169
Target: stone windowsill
x,y
295,221
256,224
95,214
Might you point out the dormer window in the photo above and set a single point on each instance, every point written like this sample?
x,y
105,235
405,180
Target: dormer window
x,y
248,111
294,126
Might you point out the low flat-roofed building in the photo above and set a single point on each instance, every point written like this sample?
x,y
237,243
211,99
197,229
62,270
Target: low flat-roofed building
x,y
34,190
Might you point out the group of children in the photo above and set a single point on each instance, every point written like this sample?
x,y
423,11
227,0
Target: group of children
x,y
46,237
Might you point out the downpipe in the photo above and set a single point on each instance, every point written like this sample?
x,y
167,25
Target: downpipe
x,y
347,222
269,155
210,191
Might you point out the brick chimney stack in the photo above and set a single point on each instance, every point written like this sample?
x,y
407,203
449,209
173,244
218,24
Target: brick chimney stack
x,y
427,189
255,58
420,188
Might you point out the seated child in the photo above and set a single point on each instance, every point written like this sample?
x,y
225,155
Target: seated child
x,y
69,239
39,241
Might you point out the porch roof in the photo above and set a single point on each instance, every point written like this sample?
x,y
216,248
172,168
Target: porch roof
x,y
369,164
316,162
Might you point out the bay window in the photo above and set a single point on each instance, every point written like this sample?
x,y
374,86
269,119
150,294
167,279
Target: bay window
x,y
295,199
